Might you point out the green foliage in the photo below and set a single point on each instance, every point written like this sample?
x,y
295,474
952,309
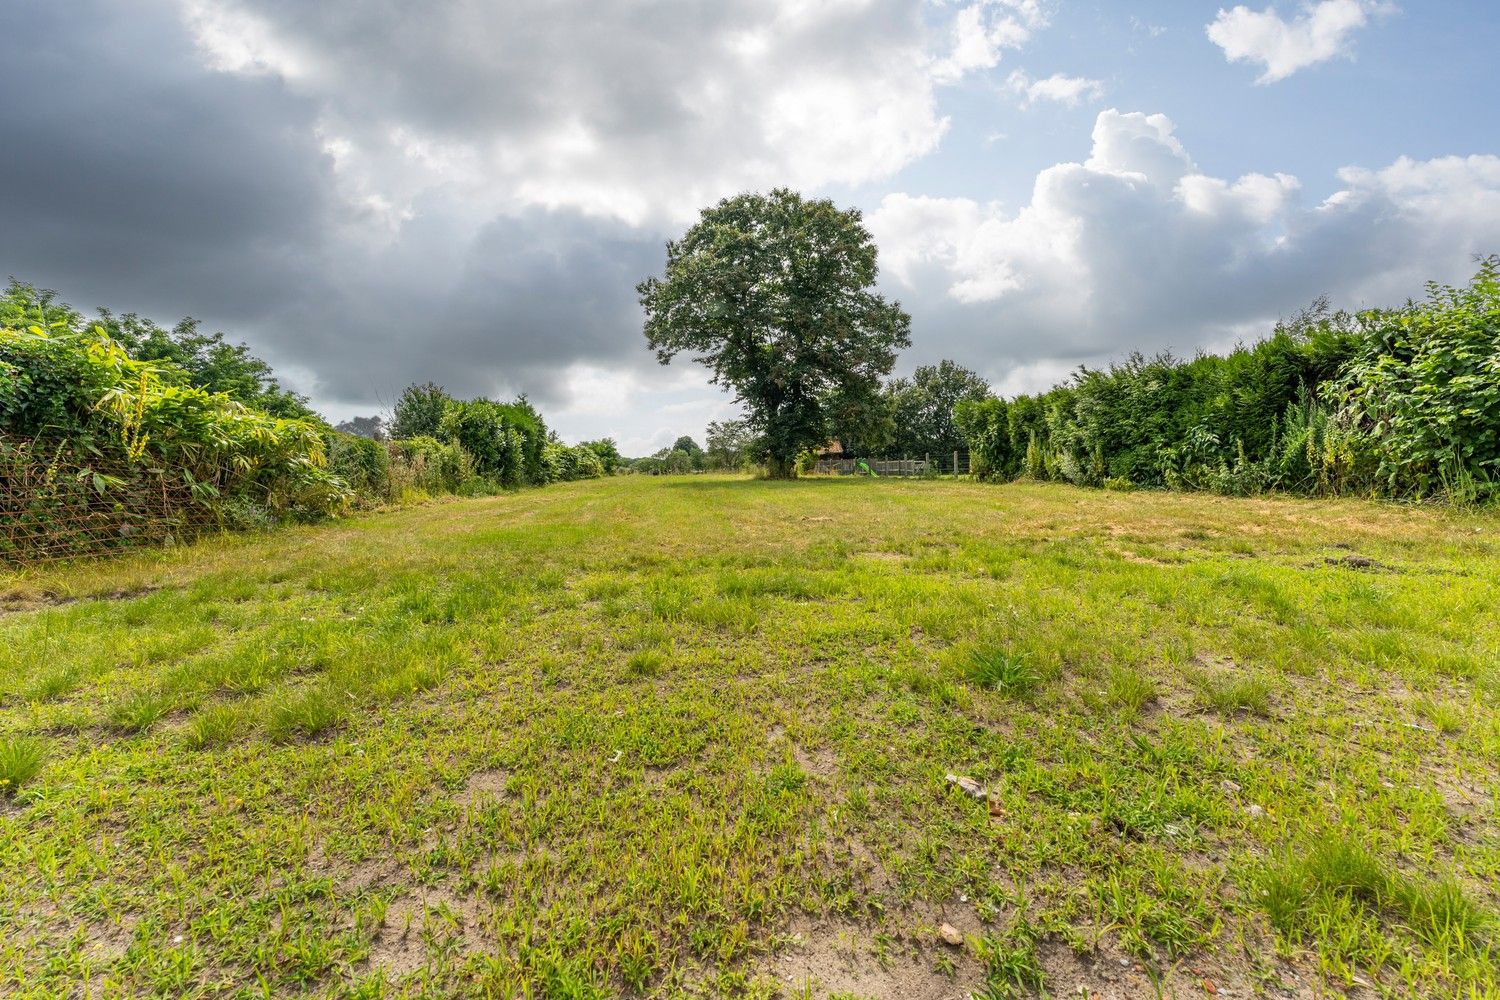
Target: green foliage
x,y
563,464
732,444
1401,402
427,465
156,433
206,361
677,459
85,390
21,759
505,439
773,294
420,410
1423,388
607,452
191,358
923,409
363,464
984,425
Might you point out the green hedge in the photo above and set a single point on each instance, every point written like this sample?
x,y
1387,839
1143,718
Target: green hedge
x,y
82,388
1398,402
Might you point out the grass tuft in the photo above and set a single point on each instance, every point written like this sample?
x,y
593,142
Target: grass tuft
x,y
1336,879
21,758
1000,670
1232,693
215,726
1130,689
645,663
309,713
140,710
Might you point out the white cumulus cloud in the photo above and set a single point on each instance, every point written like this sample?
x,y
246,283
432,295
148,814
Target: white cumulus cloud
x,y
1321,31
619,111
1059,88
1135,247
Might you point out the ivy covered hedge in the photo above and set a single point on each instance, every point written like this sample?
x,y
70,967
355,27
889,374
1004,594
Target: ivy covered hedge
x,y
1396,402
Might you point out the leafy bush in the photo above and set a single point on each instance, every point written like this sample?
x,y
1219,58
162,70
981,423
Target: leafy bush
x,y
84,388
505,439
562,464
427,465
1423,388
204,361
606,451
420,411
363,464
1401,402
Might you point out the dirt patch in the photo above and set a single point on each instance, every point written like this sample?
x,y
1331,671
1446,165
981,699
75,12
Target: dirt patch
x,y
15,601
18,601
820,764
107,941
1358,562
424,915
1108,974
483,786
838,957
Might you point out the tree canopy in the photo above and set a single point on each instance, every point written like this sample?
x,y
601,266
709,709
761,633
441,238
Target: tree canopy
x,y
774,294
921,409
420,410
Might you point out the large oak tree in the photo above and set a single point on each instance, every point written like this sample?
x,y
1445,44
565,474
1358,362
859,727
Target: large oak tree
x,y
775,295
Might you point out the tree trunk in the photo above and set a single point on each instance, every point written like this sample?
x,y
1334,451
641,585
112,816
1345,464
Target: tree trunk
x,y
781,468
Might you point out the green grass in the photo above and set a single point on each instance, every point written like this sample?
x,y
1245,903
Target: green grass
x,y
21,757
626,737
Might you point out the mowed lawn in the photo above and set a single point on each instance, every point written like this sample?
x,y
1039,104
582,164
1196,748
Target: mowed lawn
x,y
692,737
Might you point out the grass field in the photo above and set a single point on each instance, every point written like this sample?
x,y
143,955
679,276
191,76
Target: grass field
x,y
692,737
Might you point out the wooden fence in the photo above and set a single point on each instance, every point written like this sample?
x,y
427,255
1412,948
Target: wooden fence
x,y
956,465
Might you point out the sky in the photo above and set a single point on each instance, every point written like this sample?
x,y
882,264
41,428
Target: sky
x,y
378,193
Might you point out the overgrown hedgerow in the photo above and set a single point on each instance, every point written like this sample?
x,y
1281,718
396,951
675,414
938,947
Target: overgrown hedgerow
x,y
1391,402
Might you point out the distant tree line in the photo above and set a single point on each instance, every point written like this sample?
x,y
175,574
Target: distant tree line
x,y
904,418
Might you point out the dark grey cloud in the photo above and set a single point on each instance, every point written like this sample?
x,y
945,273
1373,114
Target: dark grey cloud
x,y
505,311
379,193
134,178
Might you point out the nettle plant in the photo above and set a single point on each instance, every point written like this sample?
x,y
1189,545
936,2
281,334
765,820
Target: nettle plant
x,y
1424,389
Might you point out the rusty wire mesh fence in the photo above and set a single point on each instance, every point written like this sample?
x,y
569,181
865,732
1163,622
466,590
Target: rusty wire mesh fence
x,y
57,504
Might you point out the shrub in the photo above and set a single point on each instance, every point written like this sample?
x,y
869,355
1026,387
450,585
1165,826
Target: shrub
x,y
84,389
430,466
506,440
607,453
420,410
363,464
1424,388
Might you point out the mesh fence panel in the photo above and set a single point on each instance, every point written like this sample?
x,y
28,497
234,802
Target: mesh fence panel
x,y
55,505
